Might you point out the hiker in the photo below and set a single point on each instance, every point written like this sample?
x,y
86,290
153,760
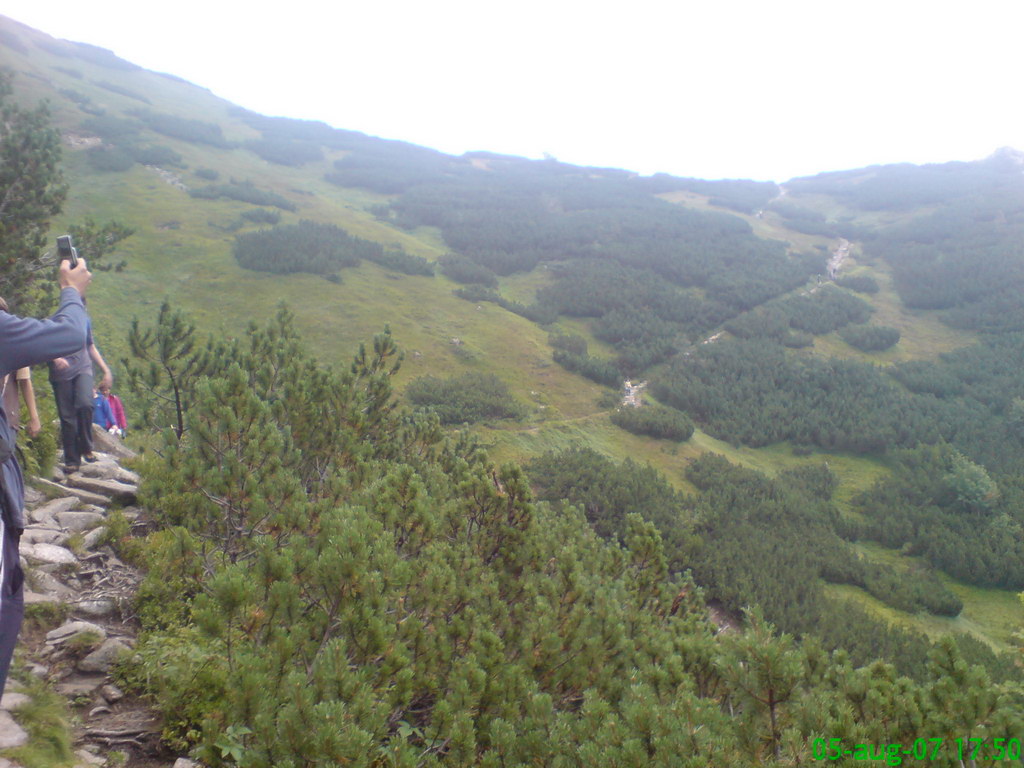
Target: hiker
x,y
72,379
10,389
108,412
117,407
24,342
102,413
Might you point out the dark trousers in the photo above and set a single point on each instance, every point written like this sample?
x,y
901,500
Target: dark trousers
x,y
12,598
74,406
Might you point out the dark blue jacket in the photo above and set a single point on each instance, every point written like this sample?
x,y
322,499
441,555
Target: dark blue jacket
x,y
27,341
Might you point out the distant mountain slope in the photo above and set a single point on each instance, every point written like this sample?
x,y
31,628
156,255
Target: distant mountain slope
x,y
543,285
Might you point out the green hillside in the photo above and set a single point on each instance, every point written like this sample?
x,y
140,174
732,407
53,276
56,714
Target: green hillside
x,y
811,527
642,270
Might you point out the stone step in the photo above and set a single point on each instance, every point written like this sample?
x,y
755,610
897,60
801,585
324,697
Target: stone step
x,y
88,497
11,734
117,491
46,512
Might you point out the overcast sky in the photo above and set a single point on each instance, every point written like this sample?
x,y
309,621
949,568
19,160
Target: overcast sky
x,y
706,88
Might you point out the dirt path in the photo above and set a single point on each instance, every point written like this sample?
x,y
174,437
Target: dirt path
x,y
837,258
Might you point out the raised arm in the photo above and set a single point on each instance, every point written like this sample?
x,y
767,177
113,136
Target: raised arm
x,y
27,341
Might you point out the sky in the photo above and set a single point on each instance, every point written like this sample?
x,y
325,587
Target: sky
x,y
709,88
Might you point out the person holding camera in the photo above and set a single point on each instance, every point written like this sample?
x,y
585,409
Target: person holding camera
x,y
24,342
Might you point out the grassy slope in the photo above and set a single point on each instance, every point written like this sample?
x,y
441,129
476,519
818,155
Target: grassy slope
x,y
182,251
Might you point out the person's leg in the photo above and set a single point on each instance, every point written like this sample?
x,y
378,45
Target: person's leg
x,y
64,396
83,413
12,599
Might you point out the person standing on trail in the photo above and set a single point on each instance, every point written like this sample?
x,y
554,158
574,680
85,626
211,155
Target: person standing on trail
x,y
72,379
24,342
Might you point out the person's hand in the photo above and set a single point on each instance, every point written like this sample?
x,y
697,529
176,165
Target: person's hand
x,y
34,427
77,278
106,382
61,364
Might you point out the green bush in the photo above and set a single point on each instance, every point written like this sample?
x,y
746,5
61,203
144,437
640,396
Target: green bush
x,y
654,421
245,192
110,128
572,343
594,368
286,151
261,215
858,283
156,154
406,263
308,246
195,131
109,159
463,270
467,398
870,338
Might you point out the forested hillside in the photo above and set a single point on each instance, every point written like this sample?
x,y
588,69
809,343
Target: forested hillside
x,y
453,541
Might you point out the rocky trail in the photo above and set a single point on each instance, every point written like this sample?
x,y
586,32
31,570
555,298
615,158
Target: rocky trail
x,y
79,620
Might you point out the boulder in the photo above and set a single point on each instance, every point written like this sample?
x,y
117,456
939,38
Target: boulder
x,y
104,657
79,521
12,700
109,470
80,685
36,598
112,489
96,608
92,538
83,495
48,554
36,534
46,584
111,693
48,511
69,630
107,443
11,734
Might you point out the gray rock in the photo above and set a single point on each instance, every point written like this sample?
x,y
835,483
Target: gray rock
x,y
104,469
109,469
96,608
104,657
46,512
38,671
33,498
83,495
112,489
46,584
107,443
86,759
64,633
78,521
80,685
92,539
183,762
111,693
35,598
12,700
36,534
48,554
11,734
